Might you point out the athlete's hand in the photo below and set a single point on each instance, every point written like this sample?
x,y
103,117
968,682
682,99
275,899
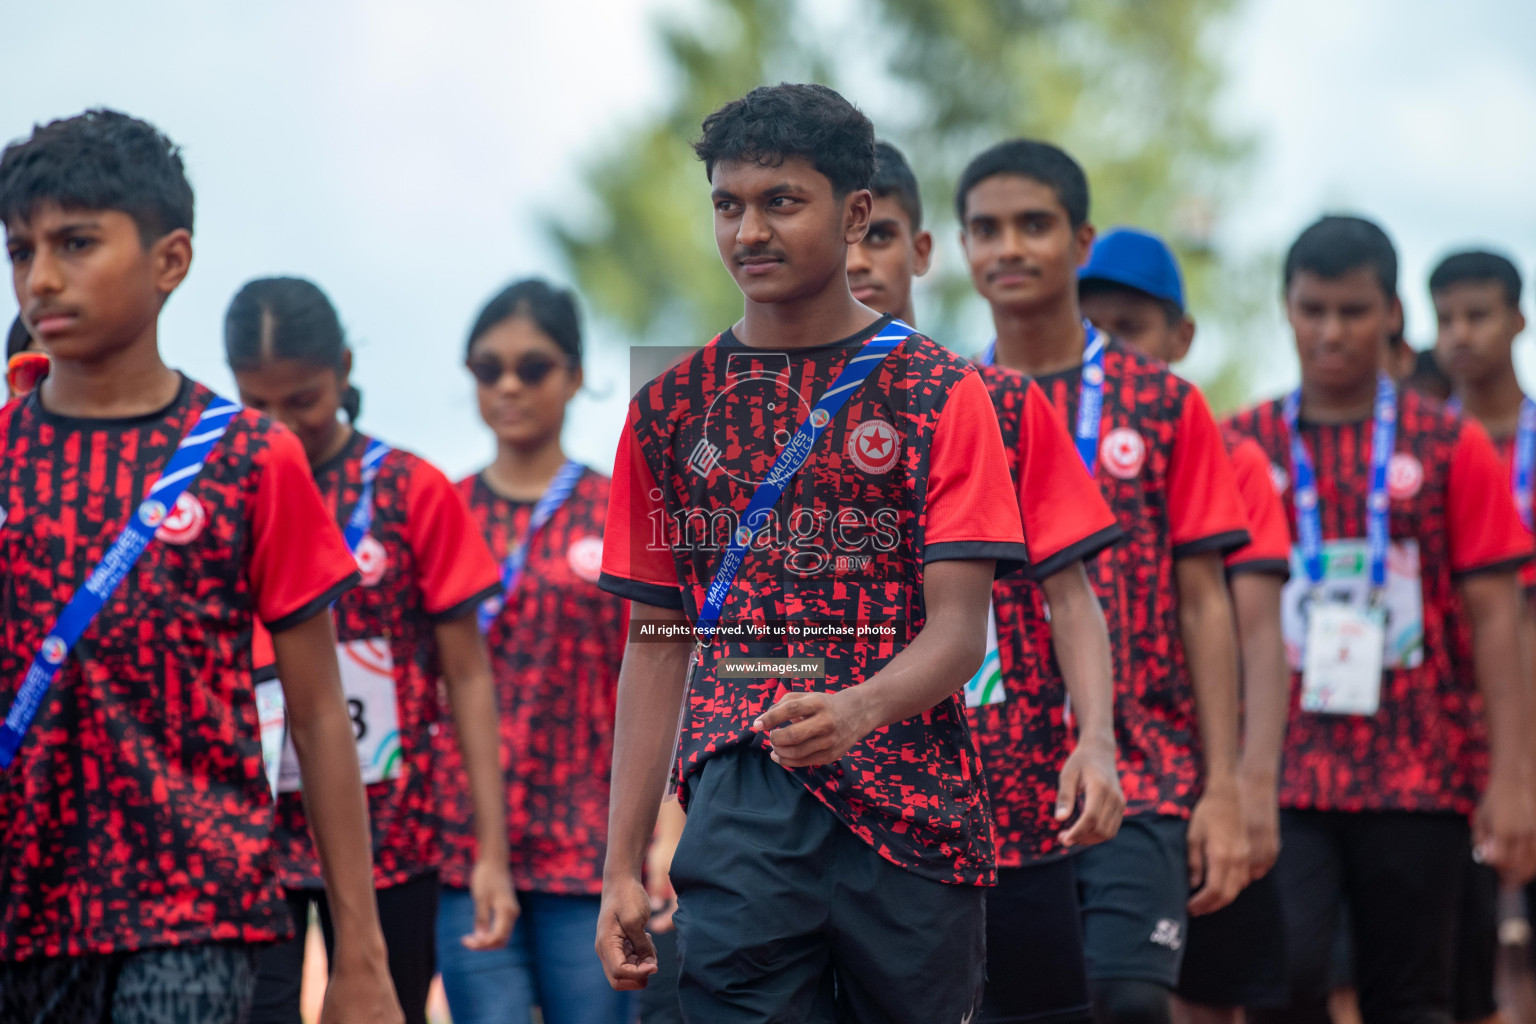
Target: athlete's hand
x,y
1090,773
813,728
496,906
1504,830
1261,811
627,953
1218,849
658,882
360,992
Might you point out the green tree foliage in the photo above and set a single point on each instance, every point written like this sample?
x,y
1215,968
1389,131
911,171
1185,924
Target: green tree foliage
x,y
1128,87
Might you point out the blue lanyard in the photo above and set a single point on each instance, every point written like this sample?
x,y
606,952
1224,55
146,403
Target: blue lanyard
x,y
1309,524
544,509
1523,462
86,603
362,515
1090,397
756,517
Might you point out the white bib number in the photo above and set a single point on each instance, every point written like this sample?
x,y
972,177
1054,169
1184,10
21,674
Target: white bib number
x,y
1345,647
368,678
986,686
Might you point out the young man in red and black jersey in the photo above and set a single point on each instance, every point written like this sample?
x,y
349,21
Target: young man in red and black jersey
x,y
1039,760
1132,288
838,838
1477,309
1161,465
137,870
1405,535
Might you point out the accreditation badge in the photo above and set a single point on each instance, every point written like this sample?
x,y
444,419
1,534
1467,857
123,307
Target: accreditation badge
x,y
1341,672
986,686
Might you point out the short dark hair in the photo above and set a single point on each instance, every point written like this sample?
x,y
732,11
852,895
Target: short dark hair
x,y
893,177
1050,165
19,338
98,160
1173,313
1480,266
1427,376
773,122
287,318
552,310
1335,245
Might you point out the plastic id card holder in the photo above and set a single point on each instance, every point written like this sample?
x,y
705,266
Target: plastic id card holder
x,y
1341,673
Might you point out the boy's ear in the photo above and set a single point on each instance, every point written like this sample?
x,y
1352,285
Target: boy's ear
x,y
861,202
171,258
1185,338
1083,235
922,248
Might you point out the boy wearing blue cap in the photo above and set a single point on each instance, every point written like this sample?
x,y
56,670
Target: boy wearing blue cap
x,y
1131,287
1150,442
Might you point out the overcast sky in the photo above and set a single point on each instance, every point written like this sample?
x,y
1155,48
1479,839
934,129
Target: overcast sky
x,y
401,155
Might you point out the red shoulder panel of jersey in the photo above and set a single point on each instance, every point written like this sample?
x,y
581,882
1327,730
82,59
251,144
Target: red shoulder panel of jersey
x,y
555,648
1269,549
1505,446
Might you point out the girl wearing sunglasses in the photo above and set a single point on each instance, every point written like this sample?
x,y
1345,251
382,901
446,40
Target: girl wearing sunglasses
x,y
410,622
556,642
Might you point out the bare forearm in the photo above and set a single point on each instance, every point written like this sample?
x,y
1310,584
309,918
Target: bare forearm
x,y
1080,641
1266,676
652,686
1493,605
1210,649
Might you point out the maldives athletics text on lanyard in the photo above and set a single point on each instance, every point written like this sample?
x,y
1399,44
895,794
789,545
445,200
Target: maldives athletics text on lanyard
x,y
1346,644
82,608
1090,397
560,488
1523,461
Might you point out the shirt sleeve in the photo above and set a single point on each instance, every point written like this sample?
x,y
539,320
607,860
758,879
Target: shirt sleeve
x,y
1486,534
1205,511
299,563
1269,547
637,548
973,508
1065,516
454,568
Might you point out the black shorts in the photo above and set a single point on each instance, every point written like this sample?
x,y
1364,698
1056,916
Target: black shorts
x,y
784,915
1134,890
1477,945
1236,956
1035,968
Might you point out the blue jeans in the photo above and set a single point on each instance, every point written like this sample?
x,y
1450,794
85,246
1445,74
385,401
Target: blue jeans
x,y
549,963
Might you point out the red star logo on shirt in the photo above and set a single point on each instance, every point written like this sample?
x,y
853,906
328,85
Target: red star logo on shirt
x,y
873,447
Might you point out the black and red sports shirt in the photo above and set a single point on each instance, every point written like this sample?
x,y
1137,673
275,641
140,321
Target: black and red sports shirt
x,y
1024,740
911,471
138,813
1505,446
556,647
1269,546
422,562
1451,516
1164,471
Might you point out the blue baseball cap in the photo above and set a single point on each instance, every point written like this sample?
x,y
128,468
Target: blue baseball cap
x,y
1135,259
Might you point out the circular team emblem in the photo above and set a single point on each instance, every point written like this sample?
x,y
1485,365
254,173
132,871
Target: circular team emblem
x,y
743,536
873,446
586,558
184,522
1405,475
1279,477
1123,452
53,650
820,418
152,513
1094,375
371,560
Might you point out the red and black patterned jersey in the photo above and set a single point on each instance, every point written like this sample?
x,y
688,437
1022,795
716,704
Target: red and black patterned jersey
x,y
910,471
555,649
1024,740
1505,446
422,563
137,812
1269,545
1164,471
1424,750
